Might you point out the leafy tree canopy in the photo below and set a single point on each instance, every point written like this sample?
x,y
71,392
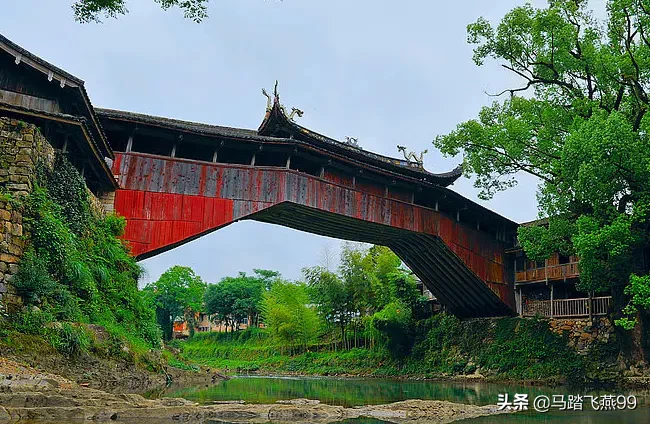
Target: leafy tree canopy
x,y
578,122
177,293
92,10
235,298
288,315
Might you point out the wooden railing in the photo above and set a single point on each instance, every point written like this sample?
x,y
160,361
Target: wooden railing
x,y
565,308
551,272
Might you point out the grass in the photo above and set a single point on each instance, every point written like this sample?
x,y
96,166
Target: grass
x,y
500,349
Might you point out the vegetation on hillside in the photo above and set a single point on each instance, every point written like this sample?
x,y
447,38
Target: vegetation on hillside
x,y
442,346
579,123
76,271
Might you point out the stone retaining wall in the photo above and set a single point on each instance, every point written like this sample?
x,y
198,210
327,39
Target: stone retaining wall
x,y
22,148
582,332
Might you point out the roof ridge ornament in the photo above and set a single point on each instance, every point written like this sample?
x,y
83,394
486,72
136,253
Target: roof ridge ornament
x,y
276,99
352,141
412,158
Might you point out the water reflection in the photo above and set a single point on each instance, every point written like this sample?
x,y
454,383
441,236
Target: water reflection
x,y
358,391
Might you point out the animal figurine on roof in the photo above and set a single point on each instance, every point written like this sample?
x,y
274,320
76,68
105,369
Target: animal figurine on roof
x,y
352,141
294,111
411,156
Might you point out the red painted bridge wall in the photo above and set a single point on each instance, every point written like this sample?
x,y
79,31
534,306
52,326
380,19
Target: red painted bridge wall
x,y
168,201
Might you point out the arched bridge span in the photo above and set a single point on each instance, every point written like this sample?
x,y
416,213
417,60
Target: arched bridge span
x,y
170,201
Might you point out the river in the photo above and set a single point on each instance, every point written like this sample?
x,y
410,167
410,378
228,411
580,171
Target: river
x,y
364,391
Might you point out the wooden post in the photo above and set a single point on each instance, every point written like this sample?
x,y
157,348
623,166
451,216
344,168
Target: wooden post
x,y
551,300
173,154
436,206
65,144
215,155
253,159
386,191
589,300
354,181
129,144
288,164
412,197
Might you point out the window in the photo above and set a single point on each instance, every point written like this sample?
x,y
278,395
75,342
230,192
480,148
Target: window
x,y
540,264
520,263
564,259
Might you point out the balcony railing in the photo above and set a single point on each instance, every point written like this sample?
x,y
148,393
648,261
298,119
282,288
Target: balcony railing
x,y
550,272
567,308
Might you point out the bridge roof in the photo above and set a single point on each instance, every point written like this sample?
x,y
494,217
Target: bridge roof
x,y
276,122
310,138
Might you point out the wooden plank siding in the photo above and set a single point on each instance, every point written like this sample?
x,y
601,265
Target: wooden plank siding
x,y
552,271
170,201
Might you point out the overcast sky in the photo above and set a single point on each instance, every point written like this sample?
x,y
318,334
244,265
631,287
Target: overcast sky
x,y
386,72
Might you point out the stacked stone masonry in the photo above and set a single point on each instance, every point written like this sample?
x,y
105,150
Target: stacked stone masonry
x,y
582,332
22,148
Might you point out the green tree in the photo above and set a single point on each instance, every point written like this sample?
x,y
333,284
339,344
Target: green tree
x,y
579,124
367,281
178,293
235,298
288,315
394,323
92,10
331,296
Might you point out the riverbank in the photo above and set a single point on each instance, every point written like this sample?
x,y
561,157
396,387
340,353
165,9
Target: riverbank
x,y
511,350
30,394
125,370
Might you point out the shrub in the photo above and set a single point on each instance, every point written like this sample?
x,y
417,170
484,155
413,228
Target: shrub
x,y
70,340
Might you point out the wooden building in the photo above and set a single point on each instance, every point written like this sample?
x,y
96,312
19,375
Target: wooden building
x,y
548,288
36,91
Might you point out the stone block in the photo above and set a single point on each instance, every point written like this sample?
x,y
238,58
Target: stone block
x,y
24,156
5,215
16,217
20,179
13,269
17,229
9,258
20,170
15,250
4,267
18,187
